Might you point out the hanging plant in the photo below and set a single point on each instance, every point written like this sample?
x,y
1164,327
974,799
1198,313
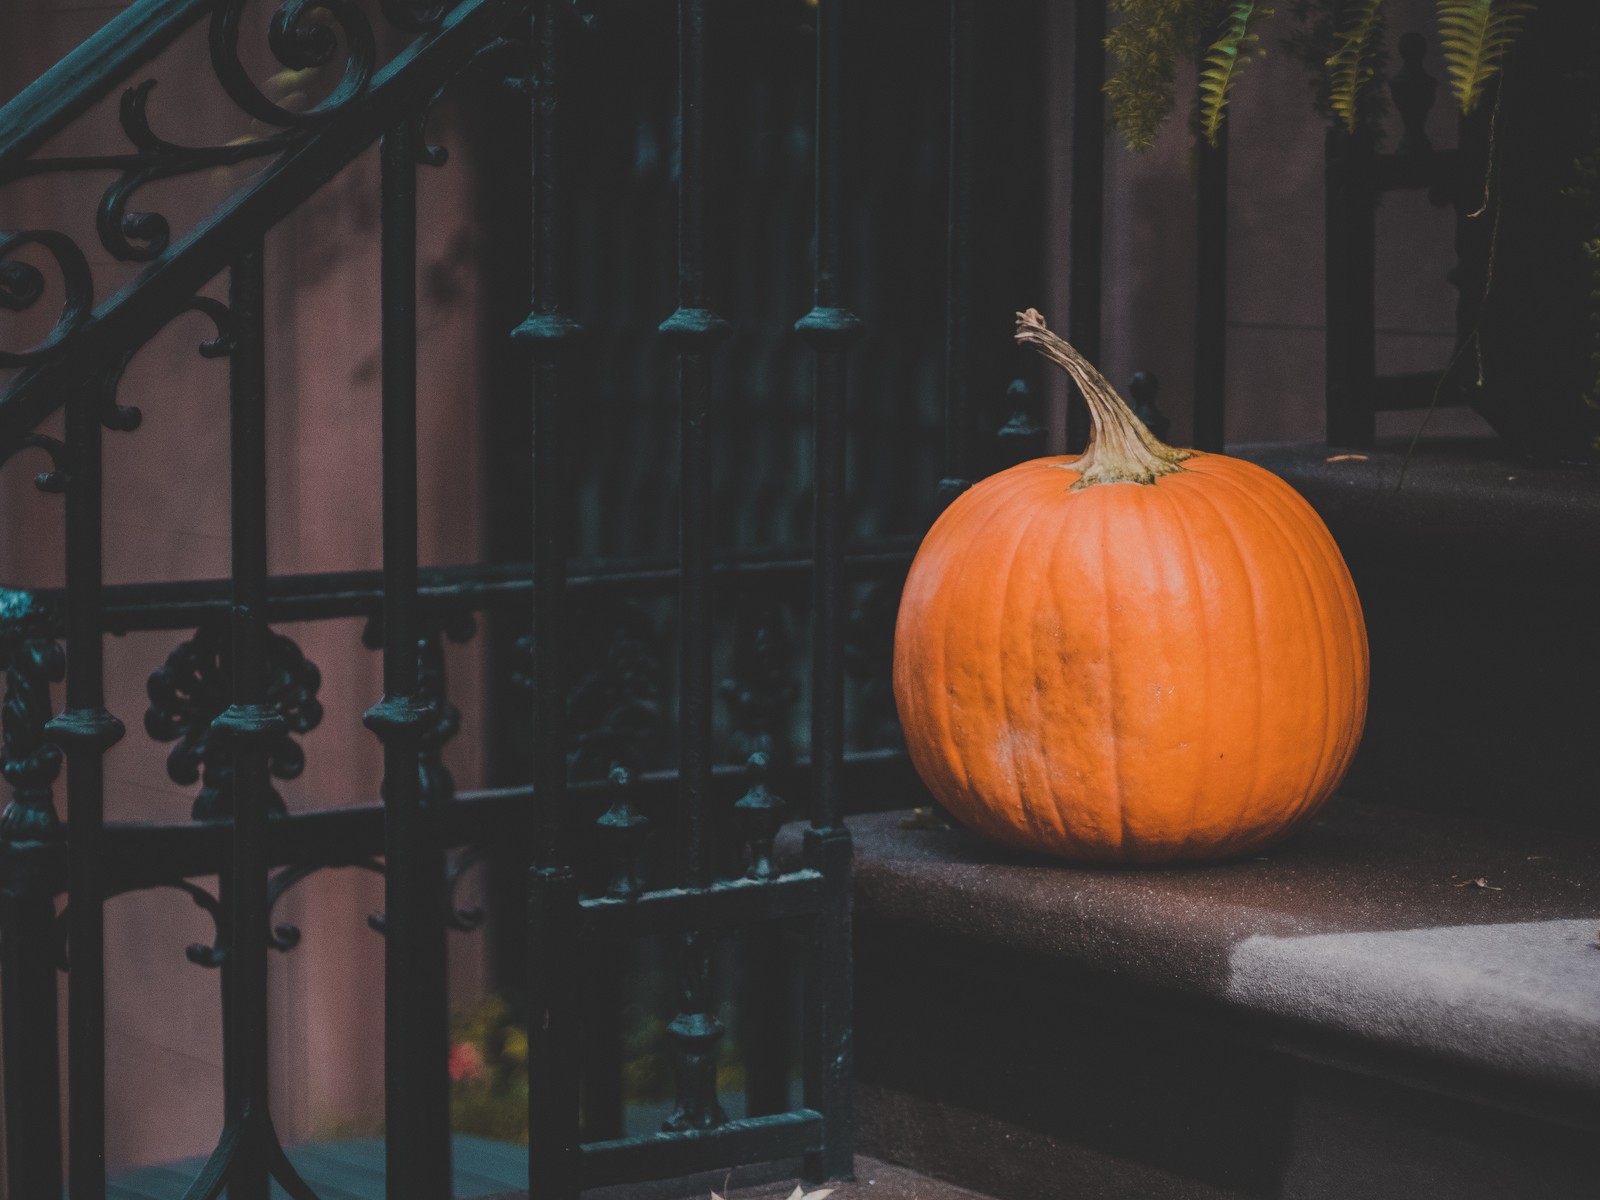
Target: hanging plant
x,y
1344,38
1476,34
1238,44
1354,62
1147,45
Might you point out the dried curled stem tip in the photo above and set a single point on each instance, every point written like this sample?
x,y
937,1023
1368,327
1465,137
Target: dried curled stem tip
x,y
1121,449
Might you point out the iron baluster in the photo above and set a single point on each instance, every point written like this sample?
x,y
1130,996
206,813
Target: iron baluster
x,y
1142,391
759,814
85,731
959,459
760,697
829,327
1211,291
30,764
416,1020
249,1155
434,778
29,761
622,831
1086,222
1022,435
621,834
553,995
694,330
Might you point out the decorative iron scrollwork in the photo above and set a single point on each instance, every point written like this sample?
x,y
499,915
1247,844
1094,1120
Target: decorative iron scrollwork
x,y
614,694
199,953
192,688
283,936
762,689
464,920
29,763
22,284
303,35
309,38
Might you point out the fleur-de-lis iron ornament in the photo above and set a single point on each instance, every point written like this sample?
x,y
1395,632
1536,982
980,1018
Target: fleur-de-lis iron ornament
x,y
193,687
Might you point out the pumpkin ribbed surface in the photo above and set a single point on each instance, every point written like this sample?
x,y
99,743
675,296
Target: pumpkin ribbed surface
x,y
1133,672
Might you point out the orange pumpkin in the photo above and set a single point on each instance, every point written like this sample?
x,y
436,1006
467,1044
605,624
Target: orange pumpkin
x,y
1139,654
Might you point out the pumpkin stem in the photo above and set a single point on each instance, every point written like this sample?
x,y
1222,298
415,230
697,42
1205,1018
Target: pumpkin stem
x,y
1121,449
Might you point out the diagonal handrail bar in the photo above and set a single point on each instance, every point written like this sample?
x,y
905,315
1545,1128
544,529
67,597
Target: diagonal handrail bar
x,y
148,301
74,84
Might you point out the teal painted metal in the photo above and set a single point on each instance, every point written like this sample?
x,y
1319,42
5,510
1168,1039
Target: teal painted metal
x,y
348,1170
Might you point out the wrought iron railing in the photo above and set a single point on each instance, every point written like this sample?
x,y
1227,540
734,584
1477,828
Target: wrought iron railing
x,y
233,697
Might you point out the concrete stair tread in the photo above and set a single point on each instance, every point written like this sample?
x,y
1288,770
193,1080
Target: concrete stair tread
x,y
1369,924
875,1180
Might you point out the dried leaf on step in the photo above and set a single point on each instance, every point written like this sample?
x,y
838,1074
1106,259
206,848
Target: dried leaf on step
x,y
1346,458
920,818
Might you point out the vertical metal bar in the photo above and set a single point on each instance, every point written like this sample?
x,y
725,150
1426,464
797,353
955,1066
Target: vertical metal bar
x,y
1086,231
553,994
694,330
829,327
1211,292
1350,247
604,1103
249,727
959,459
30,1049
31,1046
85,731
416,1018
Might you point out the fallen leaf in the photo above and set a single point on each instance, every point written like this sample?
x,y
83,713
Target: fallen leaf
x,y
920,818
1346,458
1479,882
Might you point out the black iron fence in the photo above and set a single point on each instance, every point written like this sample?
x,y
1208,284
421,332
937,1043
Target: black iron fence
x,y
641,797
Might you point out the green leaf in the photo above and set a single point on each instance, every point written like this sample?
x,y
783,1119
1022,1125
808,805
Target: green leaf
x,y
1145,45
1354,60
1475,35
1237,45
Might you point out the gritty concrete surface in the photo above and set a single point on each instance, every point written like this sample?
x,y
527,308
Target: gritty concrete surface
x,y
1459,503
875,1180
1370,922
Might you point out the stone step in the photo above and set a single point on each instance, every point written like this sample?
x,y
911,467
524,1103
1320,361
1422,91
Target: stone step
x,y
874,1180
1479,598
1352,1014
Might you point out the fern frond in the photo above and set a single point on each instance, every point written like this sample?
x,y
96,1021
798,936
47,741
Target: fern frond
x,y
1475,35
1146,46
1354,60
1238,44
